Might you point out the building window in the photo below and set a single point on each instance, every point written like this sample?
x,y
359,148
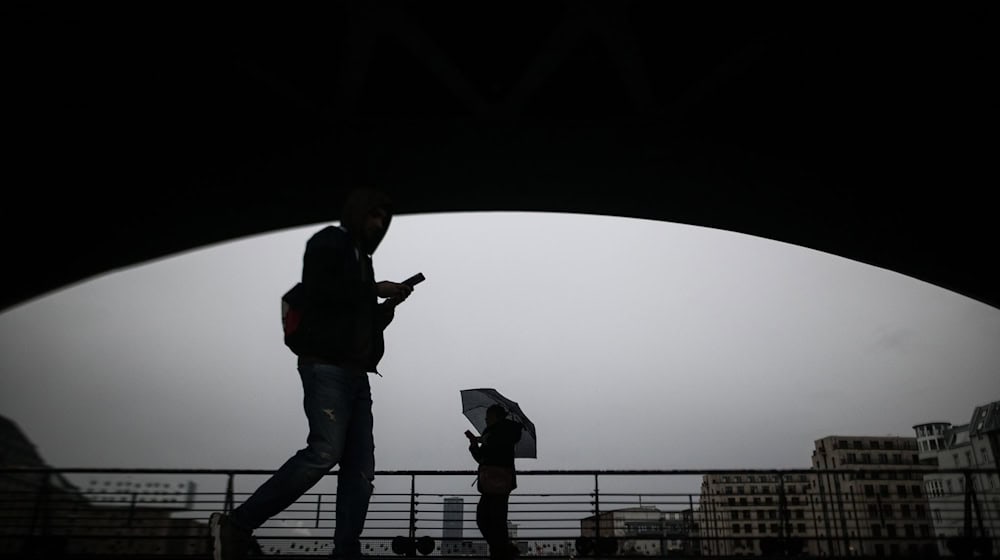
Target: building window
x,y
874,444
869,490
908,531
876,530
883,458
761,528
883,490
901,490
904,511
921,513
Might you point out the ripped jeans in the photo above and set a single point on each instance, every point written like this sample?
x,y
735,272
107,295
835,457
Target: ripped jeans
x,y
338,405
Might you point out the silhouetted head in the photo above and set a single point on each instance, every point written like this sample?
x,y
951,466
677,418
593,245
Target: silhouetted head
x,y
494,414
366,216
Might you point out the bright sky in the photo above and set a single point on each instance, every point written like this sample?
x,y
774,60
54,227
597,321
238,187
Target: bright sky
x,y
631,344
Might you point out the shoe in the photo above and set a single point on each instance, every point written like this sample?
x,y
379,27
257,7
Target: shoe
x,y
229,542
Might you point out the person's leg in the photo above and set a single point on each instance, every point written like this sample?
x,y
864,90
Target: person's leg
x,y
355,475
491,516
483,518
327,400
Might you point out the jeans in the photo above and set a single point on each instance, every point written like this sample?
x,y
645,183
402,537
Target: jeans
x,y
338,405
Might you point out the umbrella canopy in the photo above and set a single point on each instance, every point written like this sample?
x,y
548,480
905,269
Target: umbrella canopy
x,y
474,405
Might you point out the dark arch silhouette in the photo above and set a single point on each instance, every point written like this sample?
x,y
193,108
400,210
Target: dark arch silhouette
x,y
133,132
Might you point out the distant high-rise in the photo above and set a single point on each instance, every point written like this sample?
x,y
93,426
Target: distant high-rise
x,y
452,529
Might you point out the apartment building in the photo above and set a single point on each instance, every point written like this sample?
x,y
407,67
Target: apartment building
x,y
878,508
740,513
963,489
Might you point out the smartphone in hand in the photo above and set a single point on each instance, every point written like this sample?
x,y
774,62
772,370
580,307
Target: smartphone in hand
x,y
414,280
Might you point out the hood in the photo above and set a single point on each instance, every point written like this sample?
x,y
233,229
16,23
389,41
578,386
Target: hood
x,y
356,208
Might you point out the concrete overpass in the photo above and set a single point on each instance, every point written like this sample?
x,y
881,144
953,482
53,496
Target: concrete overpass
x,y
133,131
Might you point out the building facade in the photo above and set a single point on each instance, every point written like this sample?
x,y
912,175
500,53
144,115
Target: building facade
x,y
963,489
641,531
742,513
878,509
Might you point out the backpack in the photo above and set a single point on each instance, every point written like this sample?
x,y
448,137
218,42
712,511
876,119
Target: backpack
x,y
291,316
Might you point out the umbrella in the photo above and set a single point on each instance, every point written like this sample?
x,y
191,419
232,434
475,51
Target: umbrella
x,y
474,405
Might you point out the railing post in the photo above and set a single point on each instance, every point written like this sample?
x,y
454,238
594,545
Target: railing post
x,y
857,520
411,549
227,506
782,510
597,505
40,513
131,510
319,503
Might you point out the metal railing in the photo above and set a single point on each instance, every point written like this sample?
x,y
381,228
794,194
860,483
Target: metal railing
x,y
834,512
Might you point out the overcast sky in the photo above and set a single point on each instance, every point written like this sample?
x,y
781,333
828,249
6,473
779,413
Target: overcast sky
x,y
631,344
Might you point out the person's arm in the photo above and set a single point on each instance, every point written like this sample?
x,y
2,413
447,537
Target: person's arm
x,y
393,290
395,294
474,446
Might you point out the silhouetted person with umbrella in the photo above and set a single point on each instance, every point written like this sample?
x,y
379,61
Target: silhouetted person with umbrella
x,y
494,451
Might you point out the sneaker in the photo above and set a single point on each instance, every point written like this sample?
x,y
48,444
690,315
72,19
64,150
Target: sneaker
x,y
229,542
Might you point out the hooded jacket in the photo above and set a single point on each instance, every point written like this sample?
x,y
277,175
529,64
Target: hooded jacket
x,y
342,321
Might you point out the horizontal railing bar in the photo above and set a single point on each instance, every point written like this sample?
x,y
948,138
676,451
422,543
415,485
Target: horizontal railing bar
x,y
880,468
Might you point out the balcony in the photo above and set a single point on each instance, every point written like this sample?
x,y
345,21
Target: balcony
x,y
163,513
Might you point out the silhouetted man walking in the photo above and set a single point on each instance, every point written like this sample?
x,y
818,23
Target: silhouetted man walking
x,y
339,341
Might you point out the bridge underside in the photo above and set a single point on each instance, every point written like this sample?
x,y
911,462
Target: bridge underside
x,y
134,134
